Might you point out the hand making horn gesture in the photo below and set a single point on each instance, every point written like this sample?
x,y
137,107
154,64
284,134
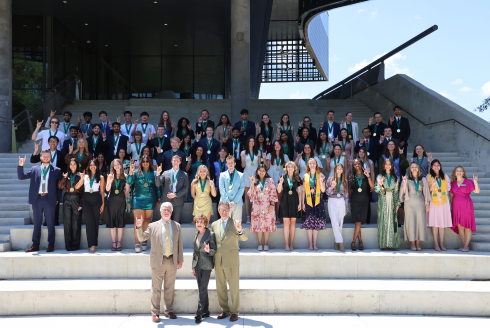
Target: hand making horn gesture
x,y
22,161
206,247
370,120
199,136
79,120
342,123
81,175
278,125
199,119
475,179
321,125
36,147
110,177
70,148
65,175
118,119
281,179
392,119
400,150
366,173
257,126
139,221
39,124
405,178
136,123
252,180
297,138
300,124
334,183
382,181
361,141
53,113
299,155
238,225
132,166
159,169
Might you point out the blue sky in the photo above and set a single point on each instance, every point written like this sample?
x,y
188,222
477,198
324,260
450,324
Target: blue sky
x,y
454,60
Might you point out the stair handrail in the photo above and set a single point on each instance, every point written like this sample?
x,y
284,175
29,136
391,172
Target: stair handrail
x,y
420,121
378,61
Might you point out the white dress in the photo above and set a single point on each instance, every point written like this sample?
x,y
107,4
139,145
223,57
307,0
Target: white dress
x,y
131,149
332,165
302,166
275,171
249,170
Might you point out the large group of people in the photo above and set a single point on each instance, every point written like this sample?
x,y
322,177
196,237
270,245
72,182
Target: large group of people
x,y
122,167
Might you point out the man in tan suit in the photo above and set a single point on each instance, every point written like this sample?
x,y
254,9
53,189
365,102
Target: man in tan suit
x,y
227,261
166,257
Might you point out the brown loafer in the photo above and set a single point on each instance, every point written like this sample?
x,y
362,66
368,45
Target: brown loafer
x,y
171,315
234,317
50,248
32,249
155,318
223,315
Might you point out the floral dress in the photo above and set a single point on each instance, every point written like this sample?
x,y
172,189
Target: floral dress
x,y
314,217
262,220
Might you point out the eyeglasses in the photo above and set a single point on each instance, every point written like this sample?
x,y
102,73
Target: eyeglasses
x,y
55,122
166,210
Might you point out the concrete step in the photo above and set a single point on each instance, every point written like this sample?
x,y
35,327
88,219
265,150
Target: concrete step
x,y
480,199
10,175
15,193
466,165
15,206
482,214
5,238
483,228
5,246
21,186
482,221
116,296
22,236
11,222
11,182
480,246
477,206
13,200
5,215
483,192
480,237
274,264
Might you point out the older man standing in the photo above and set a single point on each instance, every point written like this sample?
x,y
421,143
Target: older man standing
x,y
166,257
226,260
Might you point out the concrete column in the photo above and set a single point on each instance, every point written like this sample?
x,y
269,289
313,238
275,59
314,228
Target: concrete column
x,y
5,74
240,57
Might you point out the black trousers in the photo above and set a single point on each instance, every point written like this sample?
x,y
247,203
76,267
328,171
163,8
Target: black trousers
x,y
91,215
72,220
202,284
176,213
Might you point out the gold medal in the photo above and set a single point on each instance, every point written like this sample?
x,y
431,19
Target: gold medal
x,y
117,192
277,168
91,191
72,189
252,164
202,195
146,185
359,190
267,139
350,137
261,194
290,192
79,165
343,154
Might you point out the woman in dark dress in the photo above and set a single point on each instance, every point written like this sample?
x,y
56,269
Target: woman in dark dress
x,y
291,202
360,185
116,202
287,144
184,129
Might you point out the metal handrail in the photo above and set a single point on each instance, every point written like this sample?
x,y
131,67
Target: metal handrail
x,y
378,61
42,97
426,124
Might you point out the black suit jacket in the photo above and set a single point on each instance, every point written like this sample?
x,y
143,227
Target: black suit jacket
x,y
229,145
380,147
67,143
179,135
99,148
154,143
380,130
404,133
249,131
335,131
34,174
313,136
372,149
200,128
109,143
60,160
211,158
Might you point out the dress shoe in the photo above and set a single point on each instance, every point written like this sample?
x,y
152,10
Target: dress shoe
x,y
155,318
234,317
32,249
223,315
171,315
50,248
206,315
198,319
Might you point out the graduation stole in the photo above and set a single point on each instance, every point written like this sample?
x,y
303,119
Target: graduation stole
x,y
435,199
308,190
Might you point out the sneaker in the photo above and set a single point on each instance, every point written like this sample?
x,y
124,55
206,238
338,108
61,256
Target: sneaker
x,y
260,248
266,248
137,248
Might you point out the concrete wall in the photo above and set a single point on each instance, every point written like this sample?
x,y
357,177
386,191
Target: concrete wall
x,y
6,73
428,106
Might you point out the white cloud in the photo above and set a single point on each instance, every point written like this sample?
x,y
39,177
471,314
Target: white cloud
x,y
360,10
447,95
457,81
392,65
465,89
373,14
418,17
486,89
334,58
297,95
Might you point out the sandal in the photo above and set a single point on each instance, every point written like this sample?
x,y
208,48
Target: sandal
x,y
310,248
341,247
361,246
143,246
353,246
137,248
120,247
92,249
315,248
113,246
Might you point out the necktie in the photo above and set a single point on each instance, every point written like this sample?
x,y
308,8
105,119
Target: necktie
x,y
167,240
222,228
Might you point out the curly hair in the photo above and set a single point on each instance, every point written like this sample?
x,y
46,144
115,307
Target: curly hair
x,y
201,217
453,175
257,178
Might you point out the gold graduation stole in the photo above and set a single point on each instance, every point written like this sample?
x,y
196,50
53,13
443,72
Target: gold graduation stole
x,y
435,199
308,190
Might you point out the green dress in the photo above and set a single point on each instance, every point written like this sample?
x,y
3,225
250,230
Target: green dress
x,y
144,198
388,234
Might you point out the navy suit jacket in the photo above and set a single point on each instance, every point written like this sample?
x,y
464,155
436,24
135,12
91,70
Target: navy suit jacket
x,y
166,159
107,129
336,129
404,133
200,128
35,175
213,157
154,143
249,131
109,143
66,145
372,149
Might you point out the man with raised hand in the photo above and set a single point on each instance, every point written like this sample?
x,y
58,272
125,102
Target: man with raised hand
x,y
45,134
352,127
166,257
331,128
147,129
64,126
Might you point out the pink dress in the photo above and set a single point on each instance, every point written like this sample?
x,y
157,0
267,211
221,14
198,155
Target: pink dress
x,y
440,216
463,210
262,221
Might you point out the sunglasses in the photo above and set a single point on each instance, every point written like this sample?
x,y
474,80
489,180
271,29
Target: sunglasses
x,y
145,162
54,122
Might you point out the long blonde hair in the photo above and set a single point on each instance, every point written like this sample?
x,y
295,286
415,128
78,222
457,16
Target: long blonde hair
x,y
122,176
85,147
295,173
308,166
196,178
342,176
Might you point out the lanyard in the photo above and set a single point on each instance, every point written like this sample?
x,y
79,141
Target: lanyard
x,y
262,184
335,162
80,157
290,183
343,144
54,157
210,144
416,182
324,148
186,151
251,155
128,130
138,149
144,127
349,128
224,129
330,128
244,124
55,134
285,148
339,183
161,141
95,142
398,122
174,177
278,161
359,181
92,179
420,162
203,185
388,180
116,140
45,172
72,179
312,180
231,176
65,128
173,154
221,166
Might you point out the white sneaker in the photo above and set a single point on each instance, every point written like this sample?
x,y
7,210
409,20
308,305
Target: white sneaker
x,y
137,249
143,247
266,248
260,248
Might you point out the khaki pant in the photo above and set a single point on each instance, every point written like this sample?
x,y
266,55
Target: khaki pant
x,y
230,276
167,274
236,213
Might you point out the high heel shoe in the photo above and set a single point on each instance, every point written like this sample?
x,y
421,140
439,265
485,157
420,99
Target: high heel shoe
x,y
353,246
114,248
120,247
361,246
144,245
137,248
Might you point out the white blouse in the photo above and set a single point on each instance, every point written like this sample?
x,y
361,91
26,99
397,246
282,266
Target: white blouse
x,y
95,185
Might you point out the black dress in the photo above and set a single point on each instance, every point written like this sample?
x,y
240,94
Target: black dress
x,y
116,205
359,201
288,208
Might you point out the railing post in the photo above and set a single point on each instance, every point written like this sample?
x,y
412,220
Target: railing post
x,y
14,139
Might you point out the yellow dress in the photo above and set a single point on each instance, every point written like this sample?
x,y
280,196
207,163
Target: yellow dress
x,y
203,203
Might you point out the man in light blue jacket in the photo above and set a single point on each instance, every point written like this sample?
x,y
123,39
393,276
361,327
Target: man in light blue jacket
x,y
231,188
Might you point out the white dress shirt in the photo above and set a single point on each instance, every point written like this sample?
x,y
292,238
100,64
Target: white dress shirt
x,y
174,183
44,135
124,132
43,166
149,129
